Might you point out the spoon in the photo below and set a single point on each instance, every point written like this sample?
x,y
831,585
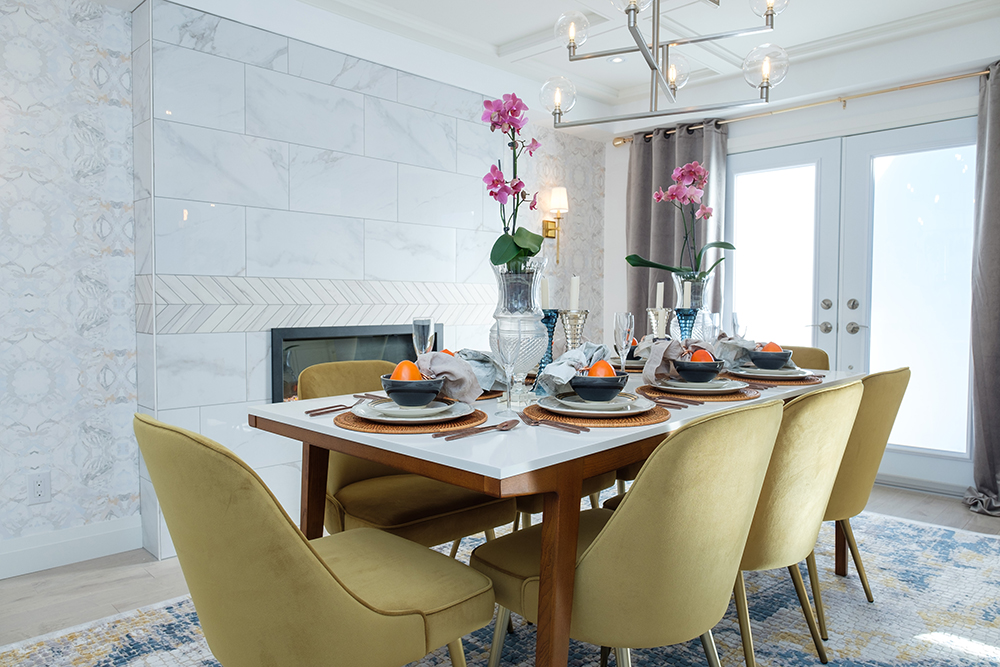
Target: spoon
x,y
502,426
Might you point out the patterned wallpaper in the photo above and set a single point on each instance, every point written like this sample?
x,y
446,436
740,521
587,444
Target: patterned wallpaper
x,y
67,341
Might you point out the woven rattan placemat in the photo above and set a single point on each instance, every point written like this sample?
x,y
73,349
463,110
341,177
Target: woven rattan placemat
x,y
654,416
352,422
809,379
649,391
487,395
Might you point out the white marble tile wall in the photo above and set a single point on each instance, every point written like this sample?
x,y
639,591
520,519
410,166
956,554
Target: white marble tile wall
x,y
297,186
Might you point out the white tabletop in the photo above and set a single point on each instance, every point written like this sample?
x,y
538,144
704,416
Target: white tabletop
x,y
523,449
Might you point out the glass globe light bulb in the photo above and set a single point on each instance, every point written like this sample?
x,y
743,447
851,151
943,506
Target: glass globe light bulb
x,y
622,5
572,28
760,7
767,63
678,70
558,92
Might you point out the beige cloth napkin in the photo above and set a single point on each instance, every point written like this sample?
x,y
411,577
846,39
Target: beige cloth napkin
x,y
736,351
660,362
556,376
460,381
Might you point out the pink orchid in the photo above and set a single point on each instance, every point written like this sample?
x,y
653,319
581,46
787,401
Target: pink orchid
x,y
659,195
676,192
534,202
703,213
694,195
532,147
494,178
502,193
516,185
690,174
514,103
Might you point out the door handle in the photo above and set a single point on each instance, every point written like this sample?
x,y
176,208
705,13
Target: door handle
x,y
854,327
824,327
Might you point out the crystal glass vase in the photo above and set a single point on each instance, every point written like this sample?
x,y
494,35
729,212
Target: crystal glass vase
x,y
691,317
518,290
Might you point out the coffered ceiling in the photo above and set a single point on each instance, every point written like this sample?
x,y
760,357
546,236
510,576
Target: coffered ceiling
x,y
517,35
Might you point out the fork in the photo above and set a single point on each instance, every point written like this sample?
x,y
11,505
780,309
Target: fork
x,y
569,428
319,412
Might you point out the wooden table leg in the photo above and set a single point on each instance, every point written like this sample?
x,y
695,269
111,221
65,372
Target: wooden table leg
x,y
315,466
560,527
840,557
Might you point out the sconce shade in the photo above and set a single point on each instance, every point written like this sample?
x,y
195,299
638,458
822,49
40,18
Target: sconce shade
x,y
558,200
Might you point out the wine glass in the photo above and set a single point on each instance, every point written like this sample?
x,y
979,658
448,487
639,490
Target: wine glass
x,y
509,351
736,327
624,328
423,335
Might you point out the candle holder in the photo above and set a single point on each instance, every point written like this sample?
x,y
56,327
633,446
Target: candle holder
x,y
573,321
659,319
549,318
685,320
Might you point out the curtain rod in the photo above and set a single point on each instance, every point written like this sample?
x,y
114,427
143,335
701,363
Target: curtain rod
x,y
621,141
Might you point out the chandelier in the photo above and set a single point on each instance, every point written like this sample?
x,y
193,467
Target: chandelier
x,y
763,68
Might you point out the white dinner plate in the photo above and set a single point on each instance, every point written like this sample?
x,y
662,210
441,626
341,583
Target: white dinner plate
x,y
454,411
705,388
763,374
636,407
619,402
392,409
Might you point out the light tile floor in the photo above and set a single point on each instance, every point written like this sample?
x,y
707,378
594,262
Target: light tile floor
x,y
42,602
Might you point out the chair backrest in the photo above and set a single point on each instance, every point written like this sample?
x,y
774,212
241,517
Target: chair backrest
x,y
263,595
335,379
809,357
662,569
876,416
807,455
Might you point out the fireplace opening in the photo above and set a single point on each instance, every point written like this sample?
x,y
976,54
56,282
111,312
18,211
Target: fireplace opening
x,y
294,350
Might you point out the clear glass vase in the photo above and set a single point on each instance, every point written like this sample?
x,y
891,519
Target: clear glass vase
x,y
518,289
691,318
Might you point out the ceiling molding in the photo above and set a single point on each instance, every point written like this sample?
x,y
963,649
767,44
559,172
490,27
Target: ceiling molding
x,y
544,38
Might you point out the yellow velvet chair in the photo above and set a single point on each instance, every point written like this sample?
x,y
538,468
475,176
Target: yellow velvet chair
x,y
658,570
811,443
363,494
809,357
805,357
267,596
876,416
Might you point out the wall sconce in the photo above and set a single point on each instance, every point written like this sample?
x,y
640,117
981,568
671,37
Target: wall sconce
x,y
558,204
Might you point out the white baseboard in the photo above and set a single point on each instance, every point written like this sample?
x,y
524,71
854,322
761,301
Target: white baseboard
x,y
914,484
33,553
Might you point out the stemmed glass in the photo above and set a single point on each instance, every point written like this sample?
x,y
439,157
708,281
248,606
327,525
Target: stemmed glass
x,y
736,327
423,335
624,329
509,351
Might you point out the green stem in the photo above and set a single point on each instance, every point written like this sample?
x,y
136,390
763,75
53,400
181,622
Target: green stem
x,y
513,149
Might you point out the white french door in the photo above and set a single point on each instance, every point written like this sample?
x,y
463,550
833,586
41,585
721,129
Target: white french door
x,y
862,246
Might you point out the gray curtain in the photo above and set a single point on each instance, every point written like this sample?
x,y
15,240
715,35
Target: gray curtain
x,y
654,230
985,497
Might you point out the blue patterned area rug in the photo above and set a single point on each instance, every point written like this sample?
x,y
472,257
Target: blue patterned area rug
x,y
937,602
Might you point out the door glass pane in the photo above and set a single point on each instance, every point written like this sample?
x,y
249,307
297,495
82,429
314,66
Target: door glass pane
x,y
774,223
921,289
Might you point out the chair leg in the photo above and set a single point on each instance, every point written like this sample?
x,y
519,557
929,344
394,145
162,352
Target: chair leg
x,y
623,658
800,590
708,643
457,653
621,487
490,534
517,522
454,547
595,501
605,652
499,634
856,555
743,615
526,519
817,594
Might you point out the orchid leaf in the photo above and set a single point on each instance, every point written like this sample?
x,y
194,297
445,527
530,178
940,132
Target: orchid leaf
x,y
636,260
527,239
708,271
713,244
504,250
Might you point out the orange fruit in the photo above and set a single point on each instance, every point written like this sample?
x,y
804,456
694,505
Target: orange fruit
x,y
772,347
405,370
635,342
447,351
702,355
601,369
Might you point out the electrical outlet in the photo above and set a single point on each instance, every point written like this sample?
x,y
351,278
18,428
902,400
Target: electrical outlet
x,y
39,488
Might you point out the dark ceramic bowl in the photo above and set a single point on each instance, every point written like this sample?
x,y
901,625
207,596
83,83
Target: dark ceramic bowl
x,y
598,389
698,371
412,393
770,361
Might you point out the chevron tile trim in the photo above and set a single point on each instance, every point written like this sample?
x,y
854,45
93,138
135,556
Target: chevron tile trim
x,y
212,304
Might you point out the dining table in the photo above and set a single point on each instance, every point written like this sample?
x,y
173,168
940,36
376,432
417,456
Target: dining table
x,y
524,461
